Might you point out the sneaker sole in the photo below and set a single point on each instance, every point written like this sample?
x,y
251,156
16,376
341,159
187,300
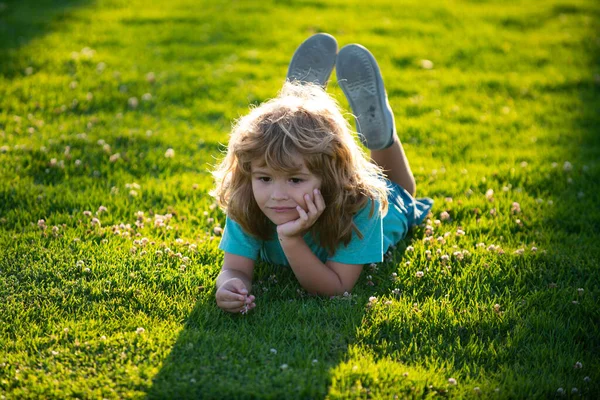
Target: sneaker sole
x,y
360,79
314,60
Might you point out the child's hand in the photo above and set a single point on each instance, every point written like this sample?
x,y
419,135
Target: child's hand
x,y
233,297
307,219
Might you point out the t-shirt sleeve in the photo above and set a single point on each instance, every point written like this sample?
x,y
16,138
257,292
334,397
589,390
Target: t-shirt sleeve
x,y
238,242
369,249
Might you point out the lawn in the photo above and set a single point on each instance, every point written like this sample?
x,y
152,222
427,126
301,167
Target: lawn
x,y
113,112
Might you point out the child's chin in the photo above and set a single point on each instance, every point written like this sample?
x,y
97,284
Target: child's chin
x,y
282,219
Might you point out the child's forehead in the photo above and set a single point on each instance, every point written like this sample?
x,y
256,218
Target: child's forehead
x,y
293,163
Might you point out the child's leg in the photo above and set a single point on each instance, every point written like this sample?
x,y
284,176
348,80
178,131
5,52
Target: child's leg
x,y
395,165
360,79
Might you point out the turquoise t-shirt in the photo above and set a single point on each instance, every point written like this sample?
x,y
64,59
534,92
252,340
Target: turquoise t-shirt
x,y
379,233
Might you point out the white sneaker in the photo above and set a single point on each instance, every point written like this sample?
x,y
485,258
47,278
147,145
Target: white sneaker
x,y
314,60
360,79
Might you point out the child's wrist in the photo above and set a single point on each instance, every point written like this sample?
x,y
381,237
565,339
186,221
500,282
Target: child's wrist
x,y
290,239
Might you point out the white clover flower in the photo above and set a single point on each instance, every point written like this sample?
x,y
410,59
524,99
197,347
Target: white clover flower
x,y
567,166
515,208
96,221
140,330
489,194
274,351
146,97
452,381
410,249
419,274
444,216
372,299
133,102
284,366
426,64
170,153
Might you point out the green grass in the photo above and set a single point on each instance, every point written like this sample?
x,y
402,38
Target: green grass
x,y
514,88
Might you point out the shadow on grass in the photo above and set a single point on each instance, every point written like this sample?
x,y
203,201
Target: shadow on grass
x,y
268,352
21,21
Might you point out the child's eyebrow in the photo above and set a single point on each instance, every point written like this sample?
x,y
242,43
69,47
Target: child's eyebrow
x,y
267,172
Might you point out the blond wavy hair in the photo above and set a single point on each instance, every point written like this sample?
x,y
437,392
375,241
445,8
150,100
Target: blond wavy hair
x,y
302,120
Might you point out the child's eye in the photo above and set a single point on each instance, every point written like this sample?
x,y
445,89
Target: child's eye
x,y
295,180
264,178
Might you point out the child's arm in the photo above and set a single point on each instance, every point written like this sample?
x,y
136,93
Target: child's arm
x,y
234,283
331,278
328,279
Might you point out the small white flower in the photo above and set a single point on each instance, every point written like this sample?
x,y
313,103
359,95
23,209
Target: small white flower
x,y
419,274
372,299
133,102
452,381
140,330
567,166
284,366
426,64
410,249
170,153
274,351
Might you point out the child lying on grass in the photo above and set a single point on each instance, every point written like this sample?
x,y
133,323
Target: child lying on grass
x,y
299,191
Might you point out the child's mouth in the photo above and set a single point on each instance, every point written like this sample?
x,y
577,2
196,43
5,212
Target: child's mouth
x,y
282,209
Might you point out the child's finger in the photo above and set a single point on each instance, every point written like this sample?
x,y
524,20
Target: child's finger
x,y
231,296
319,200
231,305
312,209
303,214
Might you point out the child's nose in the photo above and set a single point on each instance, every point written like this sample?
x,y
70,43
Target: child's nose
x,y
279,193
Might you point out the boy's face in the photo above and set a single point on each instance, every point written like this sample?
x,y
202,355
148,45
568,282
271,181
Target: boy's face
x,y
278,193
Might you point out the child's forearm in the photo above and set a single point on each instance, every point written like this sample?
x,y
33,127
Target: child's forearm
x,y
313,275
227,274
